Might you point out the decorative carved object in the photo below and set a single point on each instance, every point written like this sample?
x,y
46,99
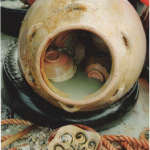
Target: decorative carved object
x,y
74,137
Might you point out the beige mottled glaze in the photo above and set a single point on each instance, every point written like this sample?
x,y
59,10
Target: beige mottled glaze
x,y
98,42
115,21
74,136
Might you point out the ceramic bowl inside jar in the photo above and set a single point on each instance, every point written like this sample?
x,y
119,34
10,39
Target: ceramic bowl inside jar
x,y
66,39
59,66
98,68
74,137
120,29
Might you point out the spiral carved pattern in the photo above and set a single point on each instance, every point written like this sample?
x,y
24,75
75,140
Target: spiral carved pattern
x,y
126,142
92,145
81,139
66,137
58,146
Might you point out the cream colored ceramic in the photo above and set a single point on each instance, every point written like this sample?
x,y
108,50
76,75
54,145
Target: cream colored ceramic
x,y
74,137
98,42
115,21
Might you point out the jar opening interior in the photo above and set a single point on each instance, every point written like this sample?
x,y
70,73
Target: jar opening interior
x,y
77,65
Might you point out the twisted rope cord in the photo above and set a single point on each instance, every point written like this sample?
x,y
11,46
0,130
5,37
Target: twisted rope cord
x,y
103,148
3,138
126,146
15,121
143,135
107,144
129,147
129,140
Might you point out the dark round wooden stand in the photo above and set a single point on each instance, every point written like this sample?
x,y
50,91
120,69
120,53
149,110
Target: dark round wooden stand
x,y
30,106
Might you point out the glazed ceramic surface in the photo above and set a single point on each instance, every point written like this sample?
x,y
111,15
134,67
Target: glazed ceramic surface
x,y
74,137
59,66
66,39
98,42
115,21
98,68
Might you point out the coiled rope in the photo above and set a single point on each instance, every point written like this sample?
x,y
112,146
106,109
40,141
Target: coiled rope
x,y
15,121
125,142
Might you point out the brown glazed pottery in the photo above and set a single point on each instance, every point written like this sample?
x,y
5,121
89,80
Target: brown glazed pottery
x,y
66,39
74,137
59,66
97,68
116,22
96,73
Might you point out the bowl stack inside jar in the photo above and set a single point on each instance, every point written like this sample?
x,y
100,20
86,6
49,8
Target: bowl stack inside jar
x,y
78,63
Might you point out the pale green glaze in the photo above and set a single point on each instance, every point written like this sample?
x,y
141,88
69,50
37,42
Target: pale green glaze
x,y
79,86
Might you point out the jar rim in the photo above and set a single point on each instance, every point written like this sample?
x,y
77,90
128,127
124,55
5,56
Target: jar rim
x,y
114,70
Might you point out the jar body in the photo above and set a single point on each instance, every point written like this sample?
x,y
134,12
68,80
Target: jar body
x,y
115,22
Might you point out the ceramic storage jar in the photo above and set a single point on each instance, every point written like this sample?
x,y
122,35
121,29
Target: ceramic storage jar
x,y
114,21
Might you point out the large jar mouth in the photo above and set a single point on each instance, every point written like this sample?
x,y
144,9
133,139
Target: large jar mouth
x,y
61,96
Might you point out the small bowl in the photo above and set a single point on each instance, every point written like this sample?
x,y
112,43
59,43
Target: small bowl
x,y
59,66
75,137
77,52
66,39
98,68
